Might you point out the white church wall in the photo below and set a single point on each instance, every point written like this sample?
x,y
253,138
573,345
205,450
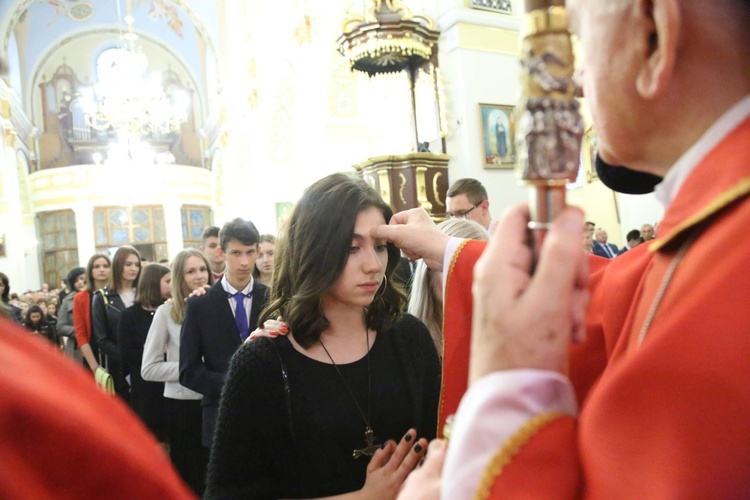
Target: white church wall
x,y
480,65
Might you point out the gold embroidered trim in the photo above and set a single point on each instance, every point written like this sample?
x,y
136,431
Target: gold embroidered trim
x,y
510,449
454,258
742,188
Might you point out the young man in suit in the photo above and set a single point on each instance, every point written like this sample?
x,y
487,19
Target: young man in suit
x,y
218,322
600,246
211,248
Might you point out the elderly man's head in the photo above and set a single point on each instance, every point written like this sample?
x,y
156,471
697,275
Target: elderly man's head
x,y
644,66
600,235
647,232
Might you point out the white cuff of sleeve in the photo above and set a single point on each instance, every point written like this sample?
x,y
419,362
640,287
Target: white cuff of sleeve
x,y
493,410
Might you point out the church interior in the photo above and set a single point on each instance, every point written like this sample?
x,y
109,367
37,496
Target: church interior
x,y
142,122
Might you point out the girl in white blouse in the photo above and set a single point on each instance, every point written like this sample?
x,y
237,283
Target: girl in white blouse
x,y
190,270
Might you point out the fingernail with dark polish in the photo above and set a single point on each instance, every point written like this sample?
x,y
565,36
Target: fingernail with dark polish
x,y
408,437
418,448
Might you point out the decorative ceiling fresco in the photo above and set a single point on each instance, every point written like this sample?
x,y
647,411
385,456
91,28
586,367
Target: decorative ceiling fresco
x,y
35,28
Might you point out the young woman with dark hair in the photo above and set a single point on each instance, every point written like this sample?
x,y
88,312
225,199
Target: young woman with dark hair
x,y
263,271
76,282
146,398
191,270
320,412
51,315
6,308
106,308
97,277
36,322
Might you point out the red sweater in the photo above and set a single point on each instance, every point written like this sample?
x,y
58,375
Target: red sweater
x,y
82,317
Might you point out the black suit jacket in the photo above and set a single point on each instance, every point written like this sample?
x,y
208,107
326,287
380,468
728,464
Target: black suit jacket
x,y
208,339
598,249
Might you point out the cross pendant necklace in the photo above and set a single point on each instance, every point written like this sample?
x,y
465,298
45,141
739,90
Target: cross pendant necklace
x,y
372,446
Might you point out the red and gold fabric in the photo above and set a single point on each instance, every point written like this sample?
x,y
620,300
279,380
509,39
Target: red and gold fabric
x,y
665,406
69,440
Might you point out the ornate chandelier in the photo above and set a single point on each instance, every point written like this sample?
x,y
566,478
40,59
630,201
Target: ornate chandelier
x,y
125,101
389,39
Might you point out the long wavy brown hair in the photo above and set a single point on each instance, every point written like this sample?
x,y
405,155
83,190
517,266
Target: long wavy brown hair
x,y
311,253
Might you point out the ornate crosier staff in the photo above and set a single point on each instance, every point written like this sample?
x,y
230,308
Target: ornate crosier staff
x,y
550,127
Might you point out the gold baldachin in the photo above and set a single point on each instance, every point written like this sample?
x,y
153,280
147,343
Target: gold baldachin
x,y
550,20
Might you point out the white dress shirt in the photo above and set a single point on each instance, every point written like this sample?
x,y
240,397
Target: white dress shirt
x,y
247,301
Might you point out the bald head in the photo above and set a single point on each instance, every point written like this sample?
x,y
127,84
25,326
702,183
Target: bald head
x,y
647,232
646,65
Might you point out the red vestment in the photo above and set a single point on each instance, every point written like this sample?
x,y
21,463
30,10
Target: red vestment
x,y
669,417
70,440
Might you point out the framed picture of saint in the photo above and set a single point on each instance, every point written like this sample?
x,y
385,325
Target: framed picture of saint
x,y
498,126
283,213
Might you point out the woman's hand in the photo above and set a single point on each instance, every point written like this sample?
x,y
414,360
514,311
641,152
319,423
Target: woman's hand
x,y
390,466
271,328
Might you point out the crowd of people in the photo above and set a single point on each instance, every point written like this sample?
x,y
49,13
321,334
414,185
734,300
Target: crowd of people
x,y
124,315
166,333
595,240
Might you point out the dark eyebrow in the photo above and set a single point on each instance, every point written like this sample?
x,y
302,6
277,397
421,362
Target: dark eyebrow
x,y
356,236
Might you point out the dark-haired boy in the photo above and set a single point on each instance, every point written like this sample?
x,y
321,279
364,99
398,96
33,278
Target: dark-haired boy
x,y
215,324
211,248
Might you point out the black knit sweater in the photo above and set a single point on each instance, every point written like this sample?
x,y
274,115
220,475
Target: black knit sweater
x,y
265,447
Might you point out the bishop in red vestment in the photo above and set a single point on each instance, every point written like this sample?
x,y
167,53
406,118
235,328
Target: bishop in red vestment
x,y
653,401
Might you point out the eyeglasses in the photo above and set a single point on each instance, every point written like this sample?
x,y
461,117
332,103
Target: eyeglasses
x,y
461,214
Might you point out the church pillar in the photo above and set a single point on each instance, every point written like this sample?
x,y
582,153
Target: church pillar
x,y
173,227
85,231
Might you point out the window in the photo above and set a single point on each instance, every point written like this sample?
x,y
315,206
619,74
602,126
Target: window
x,y
59,240
142,227
194,220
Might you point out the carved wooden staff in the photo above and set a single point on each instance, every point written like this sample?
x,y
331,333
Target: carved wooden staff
x,y
550,125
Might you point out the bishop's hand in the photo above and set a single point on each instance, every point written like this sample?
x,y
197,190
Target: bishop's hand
x,y
414,232
522,320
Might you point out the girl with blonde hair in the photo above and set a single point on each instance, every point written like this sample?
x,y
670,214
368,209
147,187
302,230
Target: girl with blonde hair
x,y
263,271
426,297
190,271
